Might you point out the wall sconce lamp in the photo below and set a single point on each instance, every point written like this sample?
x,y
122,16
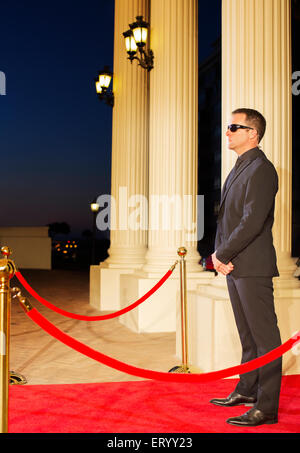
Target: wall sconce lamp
x,y
135,41
102,85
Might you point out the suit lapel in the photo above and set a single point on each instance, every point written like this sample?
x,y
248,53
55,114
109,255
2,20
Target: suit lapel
x,y
227,180
240,169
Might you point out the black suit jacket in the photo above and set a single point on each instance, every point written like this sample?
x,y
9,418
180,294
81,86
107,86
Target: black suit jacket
x,y
246,216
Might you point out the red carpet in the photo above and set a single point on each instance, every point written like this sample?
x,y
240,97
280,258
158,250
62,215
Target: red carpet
x,y
139,407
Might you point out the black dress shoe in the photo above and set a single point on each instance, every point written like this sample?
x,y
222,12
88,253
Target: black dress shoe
x,y
253,417
234,399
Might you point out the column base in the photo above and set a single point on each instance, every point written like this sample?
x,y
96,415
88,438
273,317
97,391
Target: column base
x,y
125,257
105,287
213,341
105,277
286,267
158,259
160,312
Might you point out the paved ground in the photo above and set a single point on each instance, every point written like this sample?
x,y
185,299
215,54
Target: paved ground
x,y
44,360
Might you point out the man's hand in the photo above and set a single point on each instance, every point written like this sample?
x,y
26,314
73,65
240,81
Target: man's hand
x,y
221,267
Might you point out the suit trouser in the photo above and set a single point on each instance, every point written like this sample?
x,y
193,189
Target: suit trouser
x,y
252,301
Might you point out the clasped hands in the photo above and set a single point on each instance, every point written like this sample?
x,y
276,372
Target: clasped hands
x,y
221,267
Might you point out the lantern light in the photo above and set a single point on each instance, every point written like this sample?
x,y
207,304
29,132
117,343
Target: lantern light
x,y
102,85
94,207
140,31
130,43
135,41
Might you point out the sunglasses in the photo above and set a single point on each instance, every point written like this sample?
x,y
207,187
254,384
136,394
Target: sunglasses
x,y
235,127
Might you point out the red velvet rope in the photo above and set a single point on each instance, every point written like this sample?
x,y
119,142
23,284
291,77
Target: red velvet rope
x,y
91,318
157,375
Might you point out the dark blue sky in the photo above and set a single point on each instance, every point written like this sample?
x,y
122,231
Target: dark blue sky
x,y
55,135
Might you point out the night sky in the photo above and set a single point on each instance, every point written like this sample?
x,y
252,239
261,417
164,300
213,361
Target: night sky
x,y
55,135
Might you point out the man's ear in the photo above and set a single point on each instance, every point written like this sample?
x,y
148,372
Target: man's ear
x,y
254,134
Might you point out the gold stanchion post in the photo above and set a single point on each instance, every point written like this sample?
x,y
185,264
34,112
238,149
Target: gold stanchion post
x,y
7,270
184,368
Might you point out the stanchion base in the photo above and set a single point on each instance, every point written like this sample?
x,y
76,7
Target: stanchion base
x,y
179,369
16,378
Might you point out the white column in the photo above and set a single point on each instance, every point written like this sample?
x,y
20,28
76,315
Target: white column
x,y
173,129
257,73
173,167
129,171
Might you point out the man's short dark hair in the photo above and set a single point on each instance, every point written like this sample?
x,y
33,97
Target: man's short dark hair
x,y
255,120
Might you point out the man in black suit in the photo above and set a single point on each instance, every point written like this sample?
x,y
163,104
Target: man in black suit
x,y
244,252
